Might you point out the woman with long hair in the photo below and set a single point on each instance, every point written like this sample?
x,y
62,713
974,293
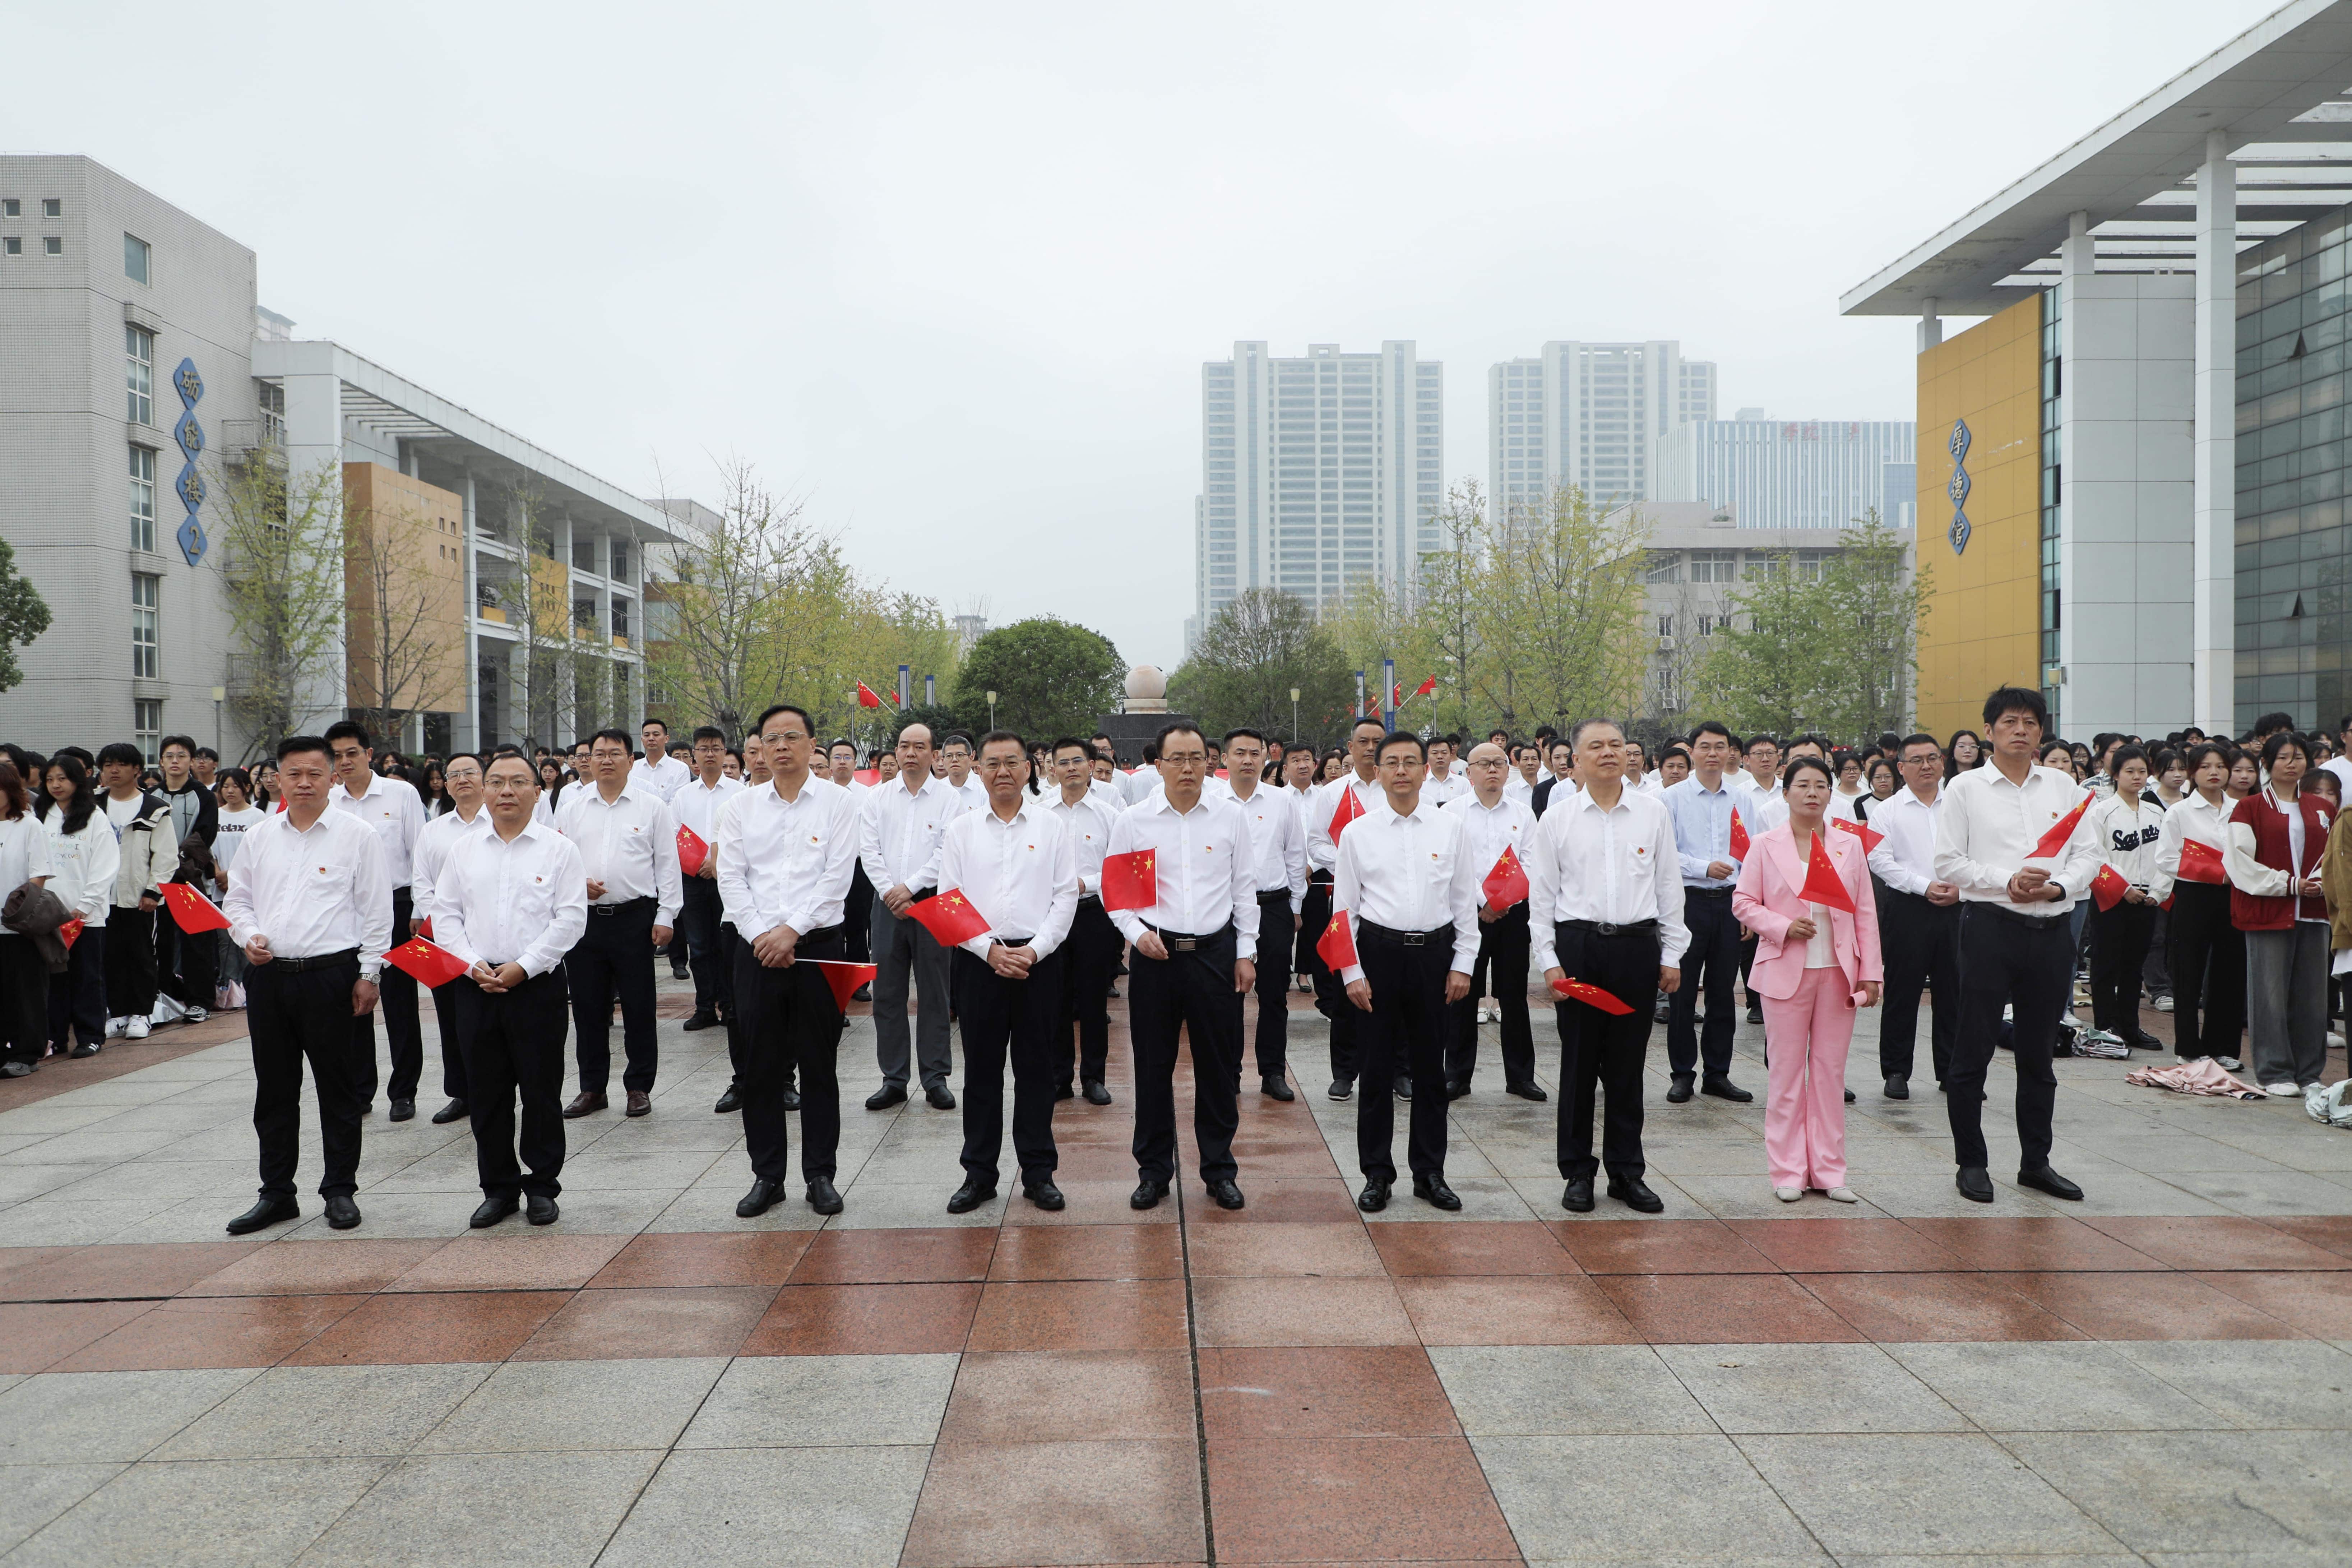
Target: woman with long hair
x,y
435,790
24,972
83,858
1335,762
1884,781
233,789
2205,952
2127,826
1964,751
2273,854
265,784
2059,755
2245,774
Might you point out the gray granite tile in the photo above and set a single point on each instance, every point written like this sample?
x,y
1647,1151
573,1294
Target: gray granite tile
x,y
1565,1391
538,1406
327,1412
1561,1495
232,1513
2256,1384
841,1507
32,1495
1875,1494
824,1401
494,1511
2060,1385
2275,1496
1809,1388
69,1416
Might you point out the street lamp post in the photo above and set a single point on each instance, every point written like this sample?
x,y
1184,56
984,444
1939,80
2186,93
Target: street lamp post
x,y
1294,715
992,710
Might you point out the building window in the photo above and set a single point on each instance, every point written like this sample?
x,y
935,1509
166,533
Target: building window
x,y
52,206
146,651
12,246
142,498
147,725
136,255
620,560
139,372
620,617
583,555
1666,625
52,244
1665,566
1714,565
12,207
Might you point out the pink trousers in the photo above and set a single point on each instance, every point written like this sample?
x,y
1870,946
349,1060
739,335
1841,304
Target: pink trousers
x,y
1806,1038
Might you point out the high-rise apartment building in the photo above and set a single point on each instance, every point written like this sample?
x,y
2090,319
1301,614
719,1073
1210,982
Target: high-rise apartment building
x,y
1792,473
1316,472
1588,415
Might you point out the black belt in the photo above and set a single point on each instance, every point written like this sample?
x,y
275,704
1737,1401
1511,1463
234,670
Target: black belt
x,y
1013,940
821,933
323,961
2030,923
1707,892
1602,928
1265,893
1404,937
1187,942
623,904
919,894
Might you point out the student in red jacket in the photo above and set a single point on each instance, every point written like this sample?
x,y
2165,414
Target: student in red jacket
x,y
2276,836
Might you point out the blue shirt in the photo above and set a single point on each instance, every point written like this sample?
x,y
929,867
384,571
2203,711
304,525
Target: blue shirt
x,y
1702,819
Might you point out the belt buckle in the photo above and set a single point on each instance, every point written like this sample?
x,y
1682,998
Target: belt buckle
x,y
1414,938
1602,928
1184,944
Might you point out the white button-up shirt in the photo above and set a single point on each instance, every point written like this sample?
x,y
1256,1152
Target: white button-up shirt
x,y
433,847
1489,830
1905,857
315,891
975,793
1702,819
1409,871
511,900
1201,869
628,843
1988,825
1617,866
1324,804
2195,818
900,830
1278,841
664,777
696,804
1022,876
396,813
787,862
1087,826
1444,791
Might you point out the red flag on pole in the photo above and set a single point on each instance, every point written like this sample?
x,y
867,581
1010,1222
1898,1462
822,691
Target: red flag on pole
x,y
2108,888
950,918
1738,836
691,851
190,910
843,978
1591,996
1426,687
2054,841
1396,695
436,966
1349,809
69,931
1871,837
1507,884
2200,862
1337,946
1823,883
1129,881
865,698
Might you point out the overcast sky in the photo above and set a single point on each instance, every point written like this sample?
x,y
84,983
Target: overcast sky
x,y
949,271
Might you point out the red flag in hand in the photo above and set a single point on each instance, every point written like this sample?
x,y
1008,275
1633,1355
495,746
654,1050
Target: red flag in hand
x,y
436,966
845,978
190,910
950,918
1349,808
1823,883
691,851
1591,996
2054,841
1871,837
865,698
1507,884
1738,836
2200,862
423,928
69,931
2108,888
1337,946
1129,881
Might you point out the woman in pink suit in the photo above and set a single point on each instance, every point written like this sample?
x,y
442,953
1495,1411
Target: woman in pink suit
x,y
1812,963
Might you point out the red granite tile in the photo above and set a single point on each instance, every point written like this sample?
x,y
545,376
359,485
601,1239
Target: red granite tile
x,y
1285,1156
35,1335
1087,1252
421,1330
1262,1311
1969,1309
922,1254
1081,1314
1659,1247
512,1262
318,1268
1063,1395
652,1320
17,1260
2305,1300
2219,1241
1279,1200
1333,1250
705,1258
122,1270
2032,1244
2113,1306
1324,1391
212,1331
1471,1247
1844,1246
1514,1310
1059,1503
865,1319
1724,1309
1358,1500
2331,1231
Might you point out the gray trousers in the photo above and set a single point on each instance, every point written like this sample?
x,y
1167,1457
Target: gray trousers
x,y
2286,1001
900,945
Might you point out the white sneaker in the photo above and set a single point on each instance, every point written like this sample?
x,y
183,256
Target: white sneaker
x,y
1843,1195
195,1015
2231,1064
136,1029
2309,1086
114,1028
2335,1040
1788,1194
2281,1090
2163,1004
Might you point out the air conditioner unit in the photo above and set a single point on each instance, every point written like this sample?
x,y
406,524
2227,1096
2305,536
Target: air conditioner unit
x,y
1665,645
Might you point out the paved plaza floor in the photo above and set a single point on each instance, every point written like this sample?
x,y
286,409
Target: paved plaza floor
x,y
2159,1375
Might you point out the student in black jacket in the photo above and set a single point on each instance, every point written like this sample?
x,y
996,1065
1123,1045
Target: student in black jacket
x,y
187,967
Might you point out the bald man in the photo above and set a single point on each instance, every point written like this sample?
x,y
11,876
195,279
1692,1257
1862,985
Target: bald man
x,y
1492,822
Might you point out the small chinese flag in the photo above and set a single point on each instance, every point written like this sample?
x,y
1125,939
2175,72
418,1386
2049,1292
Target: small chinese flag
x,y
1591,996
1426,687
1871,837
865,698
1823,883
2054,841
691,851
1129,881
1337,946
2200,862
950,918
1738,836
436,966
190,910
2108,888
423,928
69,931
1349,809
1396,695
845,978
869,777
1507,884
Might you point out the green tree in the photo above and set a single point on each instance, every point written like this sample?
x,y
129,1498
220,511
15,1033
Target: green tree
x,y
1770,662
1050,678
1563,599
281,563
1874,612
23,616
1253,652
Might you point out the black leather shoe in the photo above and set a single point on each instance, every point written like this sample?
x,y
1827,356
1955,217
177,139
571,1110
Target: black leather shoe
x,y
1095,1093
267,1212
1723,1088
582,1103
1434,1191
1276,1089
970,1195
2046,1179
1636,1196
403,1111
863,992
1046,1195
1679,1091
1374,1198
731,1101
1341,1088
82,1050
453,1111
341,1212
1403,1087
1534,1091
759,1200
821,1197
1975,1184
14,1069
1063,1091
790,1100
540,1211
1756,1012
889,1095
703,1019
939,1097
1898,1088
1147,1195
1849,1097
1577,1197
493,1209
1458,1088
1226,1194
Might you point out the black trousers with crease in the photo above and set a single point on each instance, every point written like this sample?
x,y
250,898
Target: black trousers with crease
x,y
2030,970
1920,945
1005,1020
1193,993
293,1018
513,1046
791,1027
1502,973
1601,1054
1406,1029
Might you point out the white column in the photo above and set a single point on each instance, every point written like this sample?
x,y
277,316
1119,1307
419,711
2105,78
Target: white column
x,y
474,736
314,466
1931,326
2214,623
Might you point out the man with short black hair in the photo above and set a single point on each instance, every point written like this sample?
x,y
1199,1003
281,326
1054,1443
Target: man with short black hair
x,y
1918,919
955,764
657,770
1091,953
629,845
186,966
702,927
900,826
396,814
1278,864
206,766
461,775
1323,809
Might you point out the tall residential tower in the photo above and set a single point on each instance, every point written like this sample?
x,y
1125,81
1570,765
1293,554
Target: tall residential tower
x,y
1588,415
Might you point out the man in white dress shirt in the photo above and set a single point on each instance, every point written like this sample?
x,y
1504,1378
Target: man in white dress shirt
x,y
628,842
396,813
902,823
462,777
1189,970
311,906
1918,919
657,770
1015,862
955,761
2017,947
511,900
1278,855
702,923
1607,909
1493,822
785,850
1362,781
1090,955
1446,783
1403,876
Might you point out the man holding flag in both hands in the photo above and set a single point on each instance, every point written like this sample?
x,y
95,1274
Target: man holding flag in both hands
x,y
1496,829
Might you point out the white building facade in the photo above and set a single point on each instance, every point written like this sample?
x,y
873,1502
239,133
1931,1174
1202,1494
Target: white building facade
x,y
1588,415
1792,473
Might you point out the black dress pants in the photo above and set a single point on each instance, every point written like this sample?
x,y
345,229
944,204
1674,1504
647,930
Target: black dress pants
x,y
78,998
513,1044
1004,1018
1601,1050
2119,943
131,963
2209,973
293,1018
1920,944
24,998
1331,996
1716,955
1274,944
1407,1028
1502,973
453,1046
1090,958
791,1029
1192,991
615,953
402,1026
2029,968
857,916
709,946
187,967
1312,915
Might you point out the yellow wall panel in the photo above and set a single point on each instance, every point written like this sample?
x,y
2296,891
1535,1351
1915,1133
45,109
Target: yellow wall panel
x,y
404,582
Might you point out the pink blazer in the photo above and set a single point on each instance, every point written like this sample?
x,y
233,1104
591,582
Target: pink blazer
x,y
1766,901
